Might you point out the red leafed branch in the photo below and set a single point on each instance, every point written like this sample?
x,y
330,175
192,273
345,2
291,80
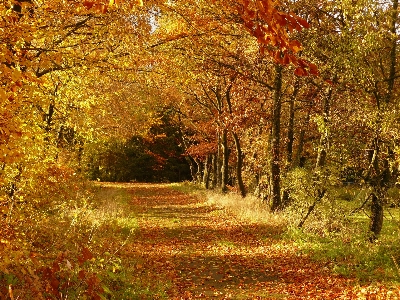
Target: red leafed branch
x,y
272,28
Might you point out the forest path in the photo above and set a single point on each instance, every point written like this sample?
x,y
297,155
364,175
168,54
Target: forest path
x,y
198,251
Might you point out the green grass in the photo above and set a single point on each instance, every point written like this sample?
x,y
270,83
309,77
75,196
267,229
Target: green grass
x,y
226,244
186,187
347,251
354,257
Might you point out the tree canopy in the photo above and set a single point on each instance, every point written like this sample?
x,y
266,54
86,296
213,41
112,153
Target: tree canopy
x,y
287,100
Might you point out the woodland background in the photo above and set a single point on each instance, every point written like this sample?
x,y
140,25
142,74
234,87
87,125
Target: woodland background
x,y
296,102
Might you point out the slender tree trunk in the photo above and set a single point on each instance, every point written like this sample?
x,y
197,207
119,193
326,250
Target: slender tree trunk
x,y
219,162
321,194
290,133
377,194
192,166
290,142
11,189
225,161
239,165
275,167
48,118
393,50
378,178
324,139
206,173
80,155
299,161
239,154
199,171
214,171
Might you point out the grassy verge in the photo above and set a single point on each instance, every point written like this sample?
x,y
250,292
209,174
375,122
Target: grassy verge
x,y
348,252
337,235
76,249
114,225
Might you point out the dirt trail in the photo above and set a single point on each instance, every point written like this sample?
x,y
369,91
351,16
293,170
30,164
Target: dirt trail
x,y
201,252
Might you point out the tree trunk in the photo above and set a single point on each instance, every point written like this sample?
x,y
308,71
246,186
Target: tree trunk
x,y
290,142
225,161
80,155
321,194
239,154
376,216
192,166
324,139
393,50
11,189
48,118
381,176
378,178
239,165
299,158
290,132
275,166
206,173
214,171
219,162
199,171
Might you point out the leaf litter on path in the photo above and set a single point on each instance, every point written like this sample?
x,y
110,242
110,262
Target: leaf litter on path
x,y
202,252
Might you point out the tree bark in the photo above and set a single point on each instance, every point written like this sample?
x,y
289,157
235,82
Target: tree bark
x,y
290,133
376,216
324,139
299,159
275,167
225,161
239,165
214,171
206,173
219,162
193,169
199,171
290,141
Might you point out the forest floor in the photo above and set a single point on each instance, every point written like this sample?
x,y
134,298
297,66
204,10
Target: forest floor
x,y
185,248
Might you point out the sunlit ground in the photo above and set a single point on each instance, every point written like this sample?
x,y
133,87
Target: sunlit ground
x,y
186,248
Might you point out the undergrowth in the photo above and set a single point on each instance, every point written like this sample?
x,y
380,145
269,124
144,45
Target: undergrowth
x,y
74,249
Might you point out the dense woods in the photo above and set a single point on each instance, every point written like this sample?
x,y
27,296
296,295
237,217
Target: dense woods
x,y
291,101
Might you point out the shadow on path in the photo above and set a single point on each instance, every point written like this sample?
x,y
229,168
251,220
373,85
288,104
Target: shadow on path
x,y
206,253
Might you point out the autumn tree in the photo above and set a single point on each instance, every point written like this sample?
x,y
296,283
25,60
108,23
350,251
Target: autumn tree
x,y
374,73
356,45
239,26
